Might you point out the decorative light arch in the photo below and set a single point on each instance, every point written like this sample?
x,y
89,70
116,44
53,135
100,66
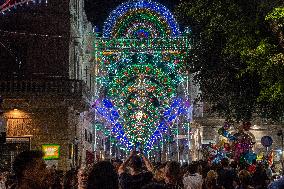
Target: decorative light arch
x,y
148,7
143,53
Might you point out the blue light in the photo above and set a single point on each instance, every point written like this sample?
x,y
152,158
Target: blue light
x,y
107,103
177,108
112,116
140,4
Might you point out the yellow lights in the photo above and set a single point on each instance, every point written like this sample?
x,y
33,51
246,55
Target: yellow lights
x,y
16,113
139,115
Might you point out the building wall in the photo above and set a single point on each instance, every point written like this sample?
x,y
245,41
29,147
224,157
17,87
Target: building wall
x,y
39,43
38,40
44,124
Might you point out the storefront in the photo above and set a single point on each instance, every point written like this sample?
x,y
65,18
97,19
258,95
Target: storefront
x,y
12,147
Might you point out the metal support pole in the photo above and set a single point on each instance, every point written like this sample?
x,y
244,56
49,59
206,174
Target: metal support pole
x,y
110,148
188,142
95,142
178,152
162,149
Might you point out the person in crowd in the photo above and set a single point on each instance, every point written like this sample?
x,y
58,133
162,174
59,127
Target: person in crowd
x,y
277,184
82,176
173,179
211,180
260,179
268,171
136,178
226,174
57,180
193,180
103,176
159,173
10,181
116,163
205,168
70,179
245,180
30,171
234,166
183,169
3,180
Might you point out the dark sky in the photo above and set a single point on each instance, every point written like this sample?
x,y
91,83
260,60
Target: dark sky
x,y
98,10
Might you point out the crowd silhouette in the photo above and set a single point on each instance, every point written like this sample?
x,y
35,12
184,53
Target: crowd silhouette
x,y
137,172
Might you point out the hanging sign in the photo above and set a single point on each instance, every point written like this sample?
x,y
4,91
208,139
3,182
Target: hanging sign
x,y
51,151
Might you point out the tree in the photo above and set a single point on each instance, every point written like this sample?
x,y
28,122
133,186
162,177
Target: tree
x,y
226,57
267,59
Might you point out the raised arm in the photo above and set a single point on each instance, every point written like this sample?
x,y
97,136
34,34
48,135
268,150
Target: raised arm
x,y
123,166
148,164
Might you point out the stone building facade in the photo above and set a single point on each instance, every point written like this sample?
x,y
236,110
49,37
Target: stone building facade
x,y
44,80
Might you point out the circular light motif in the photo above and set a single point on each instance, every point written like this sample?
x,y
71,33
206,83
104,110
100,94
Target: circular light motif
x,y
137,5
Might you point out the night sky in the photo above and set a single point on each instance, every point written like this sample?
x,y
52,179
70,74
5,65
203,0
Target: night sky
x,y
98,10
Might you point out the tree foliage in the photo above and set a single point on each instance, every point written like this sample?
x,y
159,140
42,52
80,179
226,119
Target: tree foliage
x,y
237,55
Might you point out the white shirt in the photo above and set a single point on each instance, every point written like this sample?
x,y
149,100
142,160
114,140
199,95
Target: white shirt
x,y
2,185
193,181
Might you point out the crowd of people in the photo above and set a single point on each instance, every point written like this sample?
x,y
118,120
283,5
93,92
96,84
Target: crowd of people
x,y
137,172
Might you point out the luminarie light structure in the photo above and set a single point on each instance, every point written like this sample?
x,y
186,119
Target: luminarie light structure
x,y
141,58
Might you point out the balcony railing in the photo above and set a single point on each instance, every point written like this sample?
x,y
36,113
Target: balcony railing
x,y
68,88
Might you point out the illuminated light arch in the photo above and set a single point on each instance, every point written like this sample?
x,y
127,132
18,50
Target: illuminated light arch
x,y
9,4
143,5
143,54
147,28
155,21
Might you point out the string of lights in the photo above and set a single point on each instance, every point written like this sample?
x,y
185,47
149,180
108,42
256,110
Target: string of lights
x,y
8,5
16,33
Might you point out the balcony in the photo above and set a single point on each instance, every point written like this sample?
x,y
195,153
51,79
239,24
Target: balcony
x,y
51,87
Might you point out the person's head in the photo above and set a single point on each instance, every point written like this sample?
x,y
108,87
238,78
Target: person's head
x,y
135,162
172,170
70,179
30,165
82,176
225,162
103,176
211,179
234,164
2,177
116,163
159,173
192,168
244,177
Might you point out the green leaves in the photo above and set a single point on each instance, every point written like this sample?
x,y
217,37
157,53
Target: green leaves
x,y
276,14
237,55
